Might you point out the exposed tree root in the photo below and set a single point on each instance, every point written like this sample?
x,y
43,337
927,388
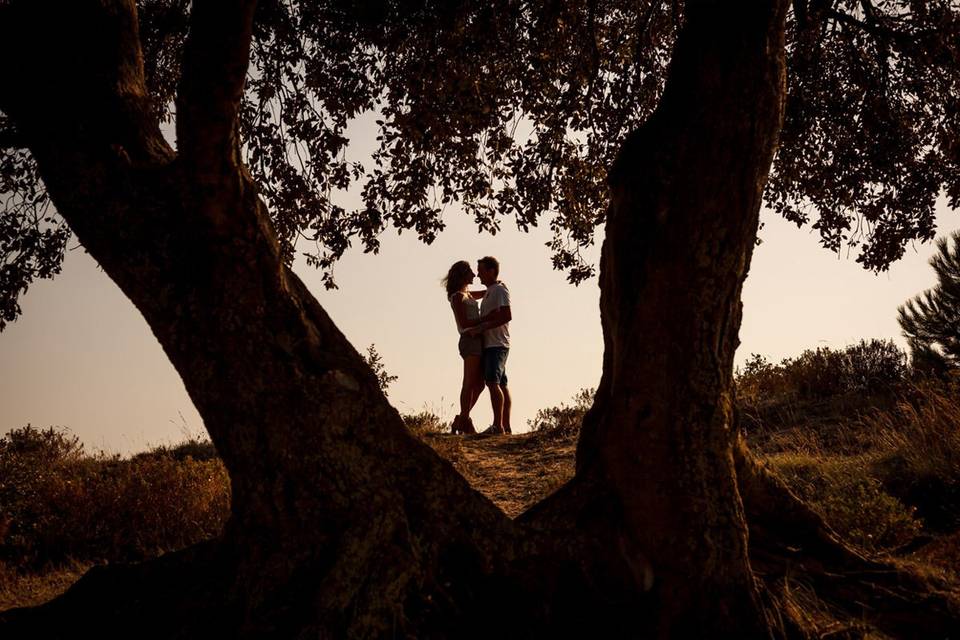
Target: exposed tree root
x,y
551,588
788,540
178,595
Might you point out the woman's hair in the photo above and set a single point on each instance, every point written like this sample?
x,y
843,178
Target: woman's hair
x,y
458,275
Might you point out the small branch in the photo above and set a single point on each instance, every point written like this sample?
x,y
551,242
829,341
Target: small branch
x,y
215,60
875,28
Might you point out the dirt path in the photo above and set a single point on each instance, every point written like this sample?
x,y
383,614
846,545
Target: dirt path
x,y
514,471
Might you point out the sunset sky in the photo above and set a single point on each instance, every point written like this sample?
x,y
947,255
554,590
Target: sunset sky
x,y
82,357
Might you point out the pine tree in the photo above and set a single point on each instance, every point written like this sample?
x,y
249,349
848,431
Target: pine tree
x,y
931,320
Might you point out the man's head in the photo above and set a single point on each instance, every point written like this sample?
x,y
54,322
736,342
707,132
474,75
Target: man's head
x,y
488,269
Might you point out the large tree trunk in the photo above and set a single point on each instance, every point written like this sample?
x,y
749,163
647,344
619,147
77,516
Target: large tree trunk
x,y
340,520
685,197
343,525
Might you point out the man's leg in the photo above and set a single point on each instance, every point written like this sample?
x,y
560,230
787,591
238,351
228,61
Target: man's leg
x,y
506,409
496,399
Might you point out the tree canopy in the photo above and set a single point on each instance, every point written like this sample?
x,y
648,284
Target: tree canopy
x,y
515,110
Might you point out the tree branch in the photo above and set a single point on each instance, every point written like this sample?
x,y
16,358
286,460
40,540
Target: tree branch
x,y
215,61
874,27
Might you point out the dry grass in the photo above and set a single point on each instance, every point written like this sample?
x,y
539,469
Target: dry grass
x,y
883,475
27,589
819,619
918,451
884,469
61,504
515,472
852,501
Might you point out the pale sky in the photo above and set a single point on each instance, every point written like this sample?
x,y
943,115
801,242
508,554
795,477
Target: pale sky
x,y
82,357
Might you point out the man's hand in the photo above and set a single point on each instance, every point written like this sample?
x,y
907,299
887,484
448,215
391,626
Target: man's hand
x,y
497,317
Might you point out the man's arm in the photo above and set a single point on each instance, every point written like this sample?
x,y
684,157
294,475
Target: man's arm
x,y
497,317
478,295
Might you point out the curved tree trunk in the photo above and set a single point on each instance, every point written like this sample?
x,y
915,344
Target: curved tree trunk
x,y
685,197
340,520
342,525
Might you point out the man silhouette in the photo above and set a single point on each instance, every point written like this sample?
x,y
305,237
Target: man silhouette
x,y
495,321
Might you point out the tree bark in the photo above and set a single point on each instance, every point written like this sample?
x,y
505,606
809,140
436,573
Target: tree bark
x,y
685,197
342,524
340,520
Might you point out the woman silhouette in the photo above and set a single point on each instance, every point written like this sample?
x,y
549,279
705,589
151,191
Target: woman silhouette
x,y
466,312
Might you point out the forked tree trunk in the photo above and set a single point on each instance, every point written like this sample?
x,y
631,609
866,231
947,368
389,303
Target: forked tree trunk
x,y
342,525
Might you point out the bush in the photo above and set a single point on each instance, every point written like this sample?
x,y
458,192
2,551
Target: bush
x,y
759,379
850,500
875,366
870,367
424,422
61,503
564,421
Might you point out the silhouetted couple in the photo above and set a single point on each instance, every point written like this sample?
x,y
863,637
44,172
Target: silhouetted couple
x,y
483,320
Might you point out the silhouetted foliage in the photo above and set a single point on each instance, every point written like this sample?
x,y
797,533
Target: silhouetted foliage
x,y
515,109
564,420
931,320
32,235
866,367
375,361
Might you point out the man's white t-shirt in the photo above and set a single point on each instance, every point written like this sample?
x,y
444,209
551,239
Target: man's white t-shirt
x,y
496,296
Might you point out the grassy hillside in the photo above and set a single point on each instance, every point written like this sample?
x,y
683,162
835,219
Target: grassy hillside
x,y
875,451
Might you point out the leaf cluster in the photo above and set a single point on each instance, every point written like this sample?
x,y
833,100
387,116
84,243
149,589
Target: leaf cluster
x,y
871,135
32,236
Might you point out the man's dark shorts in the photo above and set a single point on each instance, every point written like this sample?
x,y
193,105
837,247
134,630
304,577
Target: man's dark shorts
x,y
495,365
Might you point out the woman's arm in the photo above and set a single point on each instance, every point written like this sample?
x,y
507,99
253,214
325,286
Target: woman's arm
x,y
477,295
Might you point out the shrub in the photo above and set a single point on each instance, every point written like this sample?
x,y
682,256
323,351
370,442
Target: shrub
x,y
817,373
424,422
850,500
759,379
62,503
874,366
564,421
871,367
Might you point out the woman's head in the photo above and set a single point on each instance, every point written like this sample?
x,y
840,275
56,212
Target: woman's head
x,y
459,276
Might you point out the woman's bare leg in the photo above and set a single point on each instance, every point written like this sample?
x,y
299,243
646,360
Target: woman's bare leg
x,y
469,392
476,378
